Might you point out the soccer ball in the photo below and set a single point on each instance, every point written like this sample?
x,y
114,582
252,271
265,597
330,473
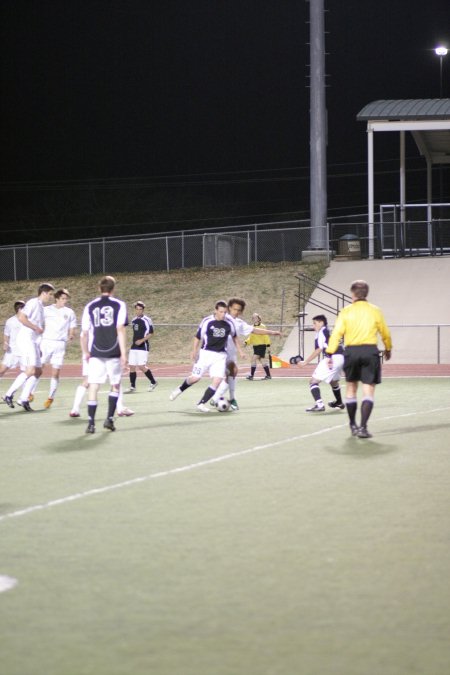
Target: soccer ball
x,y
223,405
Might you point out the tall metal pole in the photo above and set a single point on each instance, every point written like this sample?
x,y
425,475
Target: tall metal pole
x,y
318,126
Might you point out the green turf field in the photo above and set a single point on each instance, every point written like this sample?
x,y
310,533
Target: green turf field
x,y
266,541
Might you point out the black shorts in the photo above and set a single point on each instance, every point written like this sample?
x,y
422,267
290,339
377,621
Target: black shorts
x,y
259,350
362,364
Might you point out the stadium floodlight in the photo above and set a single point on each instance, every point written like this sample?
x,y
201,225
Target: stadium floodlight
x,y
441,51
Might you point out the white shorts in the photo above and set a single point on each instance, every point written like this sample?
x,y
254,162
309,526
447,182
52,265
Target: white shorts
x,y
30,353
52,351
137,357
323,373
213,362
99,370
11,360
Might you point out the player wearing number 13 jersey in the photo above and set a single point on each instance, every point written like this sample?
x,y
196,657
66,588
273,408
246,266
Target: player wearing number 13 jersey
x,y
103,343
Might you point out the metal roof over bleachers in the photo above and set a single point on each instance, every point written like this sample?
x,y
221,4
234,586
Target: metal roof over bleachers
x,y
428,120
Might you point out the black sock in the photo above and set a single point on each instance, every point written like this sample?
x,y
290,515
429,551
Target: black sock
x,y
366,409
315,391
112,403
267,370
337,394
133,377
148,373
352,407
252,371
92,409
209,393
185,385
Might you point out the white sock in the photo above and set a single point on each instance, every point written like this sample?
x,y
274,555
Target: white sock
x,y
28,388
232,386
221,391
120,405
79,396
53,387
18,382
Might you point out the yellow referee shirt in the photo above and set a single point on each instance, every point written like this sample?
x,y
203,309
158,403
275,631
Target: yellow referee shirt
x,y
359,324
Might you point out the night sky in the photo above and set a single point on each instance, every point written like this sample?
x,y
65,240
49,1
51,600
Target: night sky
x,y
203,103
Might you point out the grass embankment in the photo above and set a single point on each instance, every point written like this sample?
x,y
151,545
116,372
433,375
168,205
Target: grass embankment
x,y
181,298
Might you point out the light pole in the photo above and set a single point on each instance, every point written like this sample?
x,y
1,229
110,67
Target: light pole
x,y
441,51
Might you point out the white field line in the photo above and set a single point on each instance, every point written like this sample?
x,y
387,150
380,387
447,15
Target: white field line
x,y
191,467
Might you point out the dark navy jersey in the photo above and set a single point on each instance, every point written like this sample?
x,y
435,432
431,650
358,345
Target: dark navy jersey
x,y
213,333
100,320
321,341
141,326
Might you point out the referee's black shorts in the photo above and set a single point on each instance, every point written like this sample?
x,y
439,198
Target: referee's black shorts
x,y
259,350
362,363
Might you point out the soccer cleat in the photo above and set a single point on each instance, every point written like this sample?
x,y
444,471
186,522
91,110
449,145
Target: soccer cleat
x,y
48,402
153,386
74,413
8,400
249,377
125,412
31,398
130,390
354,429
203,408
335,404
234,404
363,433
90,429
26,406
109,424
175,394
213,403
267,377
316,408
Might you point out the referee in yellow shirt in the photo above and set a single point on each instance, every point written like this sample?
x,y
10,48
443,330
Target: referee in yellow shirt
x,y
359,324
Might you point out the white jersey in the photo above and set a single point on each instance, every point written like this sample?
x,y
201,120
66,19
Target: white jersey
x,y
58,322
34,311
12,327
243,329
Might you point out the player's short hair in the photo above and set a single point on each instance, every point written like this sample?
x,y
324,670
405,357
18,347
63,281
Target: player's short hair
x,y
236,301
256,316
18,305
139,303
360,289
322,318
220,303
60,292
107,284
45,288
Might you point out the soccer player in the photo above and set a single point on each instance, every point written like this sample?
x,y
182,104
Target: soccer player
x,y
209,353
323,371
31,316
122,411
142,327
360,324
260,344
60,325
236,307
103,342
11,357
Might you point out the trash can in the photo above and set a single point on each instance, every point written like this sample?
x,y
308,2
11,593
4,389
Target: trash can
x,y
350,247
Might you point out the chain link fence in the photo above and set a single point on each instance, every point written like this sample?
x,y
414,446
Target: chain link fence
x,y
228,247
155,253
